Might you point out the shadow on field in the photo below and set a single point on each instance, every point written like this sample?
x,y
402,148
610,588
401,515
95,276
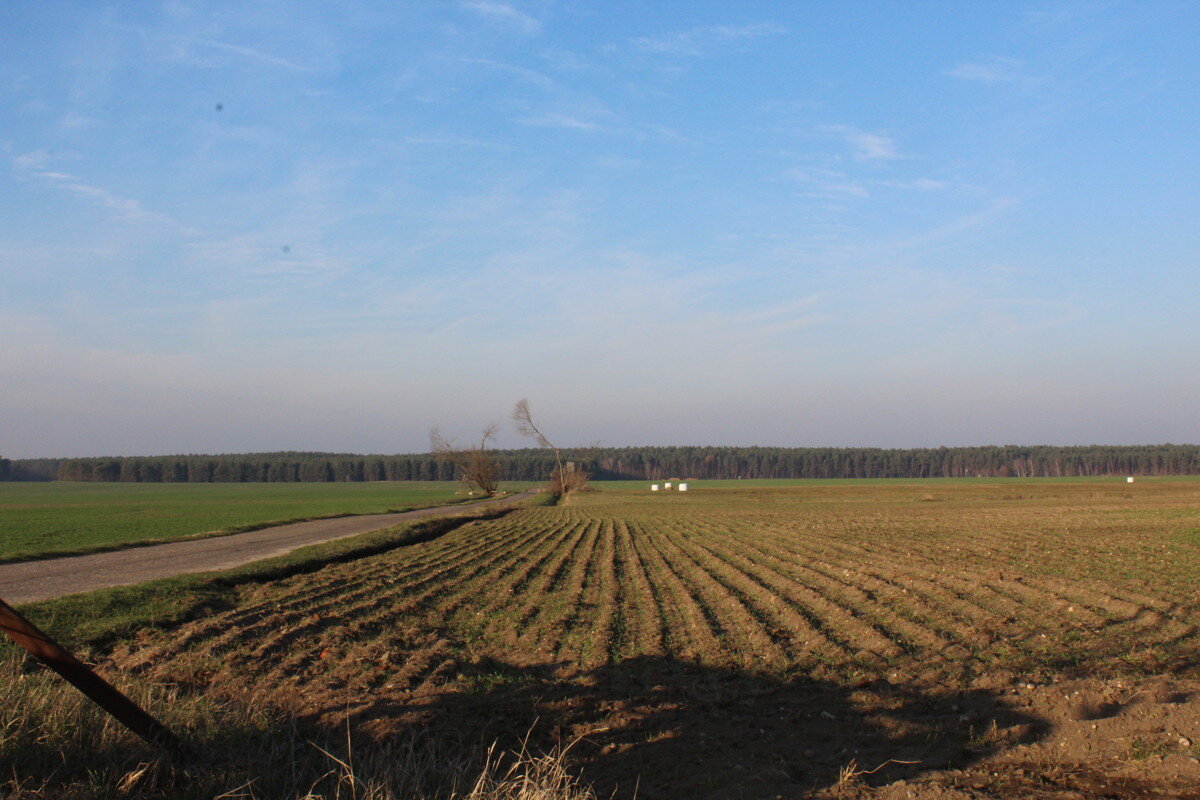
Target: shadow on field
x,y
658,727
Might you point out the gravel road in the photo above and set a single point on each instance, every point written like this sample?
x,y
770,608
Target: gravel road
x,y
27,581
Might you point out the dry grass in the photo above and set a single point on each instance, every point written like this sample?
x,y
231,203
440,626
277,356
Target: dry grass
x,y
528,777
55,744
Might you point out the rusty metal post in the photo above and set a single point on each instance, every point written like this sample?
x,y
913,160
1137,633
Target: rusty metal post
x,y
102,693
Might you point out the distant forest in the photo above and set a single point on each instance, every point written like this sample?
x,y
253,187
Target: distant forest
x,y
629,463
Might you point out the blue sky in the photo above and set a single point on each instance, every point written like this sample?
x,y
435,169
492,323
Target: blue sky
x,y
259,226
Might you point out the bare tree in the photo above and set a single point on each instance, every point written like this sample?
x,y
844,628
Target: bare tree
x,y
565,479
477,466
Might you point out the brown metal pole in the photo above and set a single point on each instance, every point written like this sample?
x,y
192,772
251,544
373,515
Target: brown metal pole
x,y
54,656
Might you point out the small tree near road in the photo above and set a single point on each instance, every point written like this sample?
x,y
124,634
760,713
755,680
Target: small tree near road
x,y
477,466
565,478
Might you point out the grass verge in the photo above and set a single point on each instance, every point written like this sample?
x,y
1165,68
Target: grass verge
x,y
48,519
37,555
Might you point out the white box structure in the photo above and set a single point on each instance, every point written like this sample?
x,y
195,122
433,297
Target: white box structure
x,y
667,485
1129,480
654,487
683,487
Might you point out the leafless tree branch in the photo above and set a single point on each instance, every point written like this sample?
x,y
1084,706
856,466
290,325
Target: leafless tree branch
x,y
477,466
564,479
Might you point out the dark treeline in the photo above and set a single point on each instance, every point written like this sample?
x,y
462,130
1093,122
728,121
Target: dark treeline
x,y
633,463
29,469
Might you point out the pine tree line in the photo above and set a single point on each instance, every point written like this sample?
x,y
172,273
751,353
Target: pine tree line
x,y
29,469
632,463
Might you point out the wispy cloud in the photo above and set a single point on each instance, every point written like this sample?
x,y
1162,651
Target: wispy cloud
x,y
995,70
936,236
125,208
560,106
34,159
256,258
698,41
74,121
559,120
868,146
928,185
566,60
920,184
665,133
247,53
529,75
785,317
448,141
828,183
1016,316
505,13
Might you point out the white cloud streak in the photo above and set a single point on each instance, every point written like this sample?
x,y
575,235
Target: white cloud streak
x,y
506,13
920,184
702,40
558,120
868,146
531,76
828,183
252,54
35,159
995,70
125,208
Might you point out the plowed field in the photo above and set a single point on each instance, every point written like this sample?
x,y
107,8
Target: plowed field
x,y
760,643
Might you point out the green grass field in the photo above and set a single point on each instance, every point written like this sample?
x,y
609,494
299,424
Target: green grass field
x,y
782,483
38,519
41,519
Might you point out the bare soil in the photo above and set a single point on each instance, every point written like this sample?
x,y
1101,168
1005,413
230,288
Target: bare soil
x,y
882,649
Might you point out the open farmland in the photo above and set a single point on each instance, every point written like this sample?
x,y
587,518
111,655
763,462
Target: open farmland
x,y
40,519
1005,639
